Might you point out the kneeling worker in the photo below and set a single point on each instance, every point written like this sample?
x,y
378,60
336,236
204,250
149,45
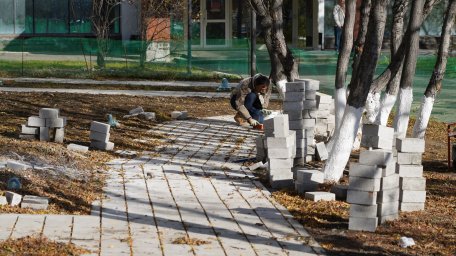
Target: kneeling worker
x,y
249,99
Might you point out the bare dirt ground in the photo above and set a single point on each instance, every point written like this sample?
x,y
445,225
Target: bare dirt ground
x,y
77,178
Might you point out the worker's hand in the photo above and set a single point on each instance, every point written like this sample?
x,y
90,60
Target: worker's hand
x,y
266,112
253,122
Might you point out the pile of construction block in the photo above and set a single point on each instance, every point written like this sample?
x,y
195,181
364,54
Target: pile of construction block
x,y
410,170
281,150
373,192
28,201
326,120
48,126
99,136
293,106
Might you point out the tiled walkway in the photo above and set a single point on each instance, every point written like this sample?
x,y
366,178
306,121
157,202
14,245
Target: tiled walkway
x,y
193,188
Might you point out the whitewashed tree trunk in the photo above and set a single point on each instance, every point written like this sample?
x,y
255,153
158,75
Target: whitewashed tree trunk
x,y
343,144
435,83
359,88
422,119
386,107
402,117
340,101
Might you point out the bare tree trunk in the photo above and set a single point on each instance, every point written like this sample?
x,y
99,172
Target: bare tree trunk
x,y
283,64
359,44
406,92
345,136
435,83
343,60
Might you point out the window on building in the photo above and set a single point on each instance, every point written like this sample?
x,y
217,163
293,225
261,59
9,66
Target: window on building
x,y
51,16
80,16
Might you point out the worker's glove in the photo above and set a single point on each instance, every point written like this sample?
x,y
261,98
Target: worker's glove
x,y
266,112
253,122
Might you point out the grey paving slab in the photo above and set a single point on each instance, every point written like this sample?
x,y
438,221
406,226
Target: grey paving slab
x,y
28,225
7,222
86,233
58,228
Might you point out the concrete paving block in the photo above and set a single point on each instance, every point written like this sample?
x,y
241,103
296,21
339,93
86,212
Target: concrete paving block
x,y
413,183
281,142
324,98
108,146
35,202
49,113
323,114
292,105
175,114
183,116
340,191
149,116
385,218
309,123
65,120
281,178
323,106
59,135
322,153
388,195
136,111
280,163
296,125
99,127
311,84
409,170
411,207
384,132
79,148
274,153
362,224
44,134
363,211
310,104
3,200
27,136
98,136
363,184
13,198
309,176
311,95
54,122
390,182
320,196
295,96
16,166
376,157
376,142
365,171
279,124
409,158
410,145
321,129
310,113
361,197
297,86
412,196
29,130
390,208
294,115
35,121
302,188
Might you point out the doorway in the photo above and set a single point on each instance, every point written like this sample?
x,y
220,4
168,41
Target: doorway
x,y
210,23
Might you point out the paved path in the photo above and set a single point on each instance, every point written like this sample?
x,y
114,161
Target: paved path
x,y
193,188
117,82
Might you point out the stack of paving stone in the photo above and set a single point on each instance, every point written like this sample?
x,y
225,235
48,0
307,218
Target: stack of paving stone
x,y
281,149
308,180
410,170
326,121
373,191
99,136
261,149
49,126
309,115
293,106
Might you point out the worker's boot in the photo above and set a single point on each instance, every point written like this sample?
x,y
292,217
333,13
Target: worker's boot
x,y
240,120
